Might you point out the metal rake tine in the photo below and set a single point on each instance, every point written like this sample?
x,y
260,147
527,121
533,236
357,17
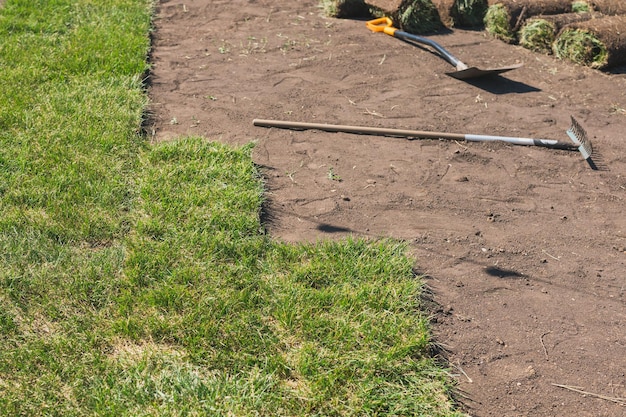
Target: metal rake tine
x,y
578,135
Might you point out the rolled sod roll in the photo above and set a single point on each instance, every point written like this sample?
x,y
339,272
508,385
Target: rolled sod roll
x,y
504,18
597,43
609,7
345,8
413,16
539,33
461,13
580,6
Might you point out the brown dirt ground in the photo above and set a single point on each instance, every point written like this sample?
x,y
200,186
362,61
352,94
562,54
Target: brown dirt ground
x,y
523,247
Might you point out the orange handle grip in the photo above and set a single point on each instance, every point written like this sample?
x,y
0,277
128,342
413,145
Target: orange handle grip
x,y
382,24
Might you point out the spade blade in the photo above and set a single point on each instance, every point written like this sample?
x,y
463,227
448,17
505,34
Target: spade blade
x,y
474,72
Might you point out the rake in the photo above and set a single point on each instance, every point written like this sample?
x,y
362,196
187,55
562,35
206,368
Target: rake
x,y
576,133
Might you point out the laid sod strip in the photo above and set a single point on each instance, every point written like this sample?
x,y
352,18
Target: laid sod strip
x,y
348,315
413,16
266,328
610,7
70,104
461,13
345,8
504,18
539,33
598,43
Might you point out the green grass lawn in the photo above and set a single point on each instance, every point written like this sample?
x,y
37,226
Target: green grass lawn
x,y
137,280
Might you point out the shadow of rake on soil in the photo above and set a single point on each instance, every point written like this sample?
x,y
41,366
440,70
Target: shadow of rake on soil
x,y
597,162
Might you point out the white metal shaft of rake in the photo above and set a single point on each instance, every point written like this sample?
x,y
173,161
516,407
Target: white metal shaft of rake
x,y
548,143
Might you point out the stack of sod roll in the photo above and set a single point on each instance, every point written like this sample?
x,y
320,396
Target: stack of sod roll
x,y
345,8
597,43
461,13
588,32
609,7
414,16
504,18
539,33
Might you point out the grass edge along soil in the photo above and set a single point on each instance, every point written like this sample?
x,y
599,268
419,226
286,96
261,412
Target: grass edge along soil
x,y
161,295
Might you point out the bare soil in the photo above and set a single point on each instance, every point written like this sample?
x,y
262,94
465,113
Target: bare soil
x,y
523,247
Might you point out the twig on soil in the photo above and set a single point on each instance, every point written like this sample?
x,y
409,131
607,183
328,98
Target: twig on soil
x,y
446,171
459,143
620,401
373,113
545,351
383,60
350,101
553,257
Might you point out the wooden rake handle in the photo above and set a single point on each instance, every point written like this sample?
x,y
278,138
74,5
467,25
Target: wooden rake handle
x,y
413,134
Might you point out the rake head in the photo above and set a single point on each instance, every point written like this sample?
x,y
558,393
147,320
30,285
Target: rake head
x,y
578,135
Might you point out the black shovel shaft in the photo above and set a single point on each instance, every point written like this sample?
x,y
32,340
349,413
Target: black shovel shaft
x,y
385,25
420,39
